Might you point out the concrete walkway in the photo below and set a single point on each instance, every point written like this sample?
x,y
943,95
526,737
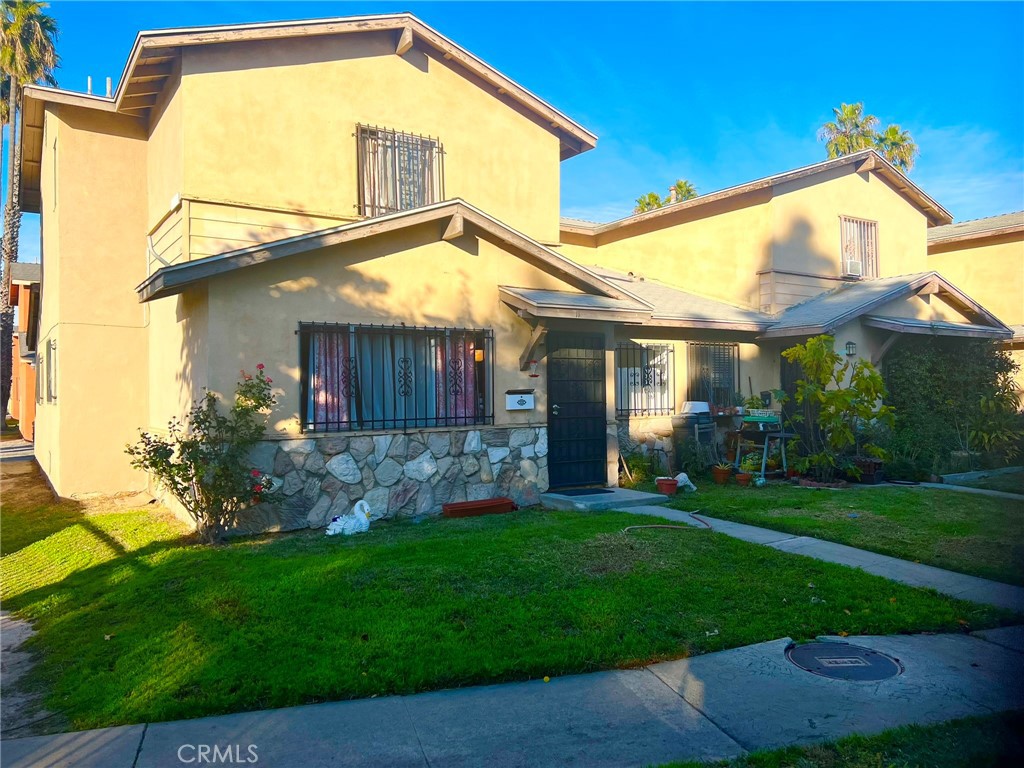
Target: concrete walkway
x,y
978,491
17,449
715,706
959,585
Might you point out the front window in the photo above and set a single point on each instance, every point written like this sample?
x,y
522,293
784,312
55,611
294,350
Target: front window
x,y
860,247
644,380
398,171
393,377
712,372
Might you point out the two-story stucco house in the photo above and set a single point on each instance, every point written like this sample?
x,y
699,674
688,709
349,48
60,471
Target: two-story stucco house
x,y
372,212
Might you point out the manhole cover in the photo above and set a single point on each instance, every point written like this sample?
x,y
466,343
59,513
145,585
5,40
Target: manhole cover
x,y
843,661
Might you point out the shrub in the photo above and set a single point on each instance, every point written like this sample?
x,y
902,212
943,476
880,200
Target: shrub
x,y
643,469
835,400
204,463
953,395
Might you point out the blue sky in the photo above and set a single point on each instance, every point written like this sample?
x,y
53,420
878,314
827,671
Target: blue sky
x,y
718,93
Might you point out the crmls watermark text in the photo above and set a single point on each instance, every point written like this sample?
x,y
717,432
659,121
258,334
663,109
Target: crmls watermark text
x,y
215,754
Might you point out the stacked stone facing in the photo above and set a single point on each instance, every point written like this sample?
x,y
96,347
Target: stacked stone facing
x,y
398,475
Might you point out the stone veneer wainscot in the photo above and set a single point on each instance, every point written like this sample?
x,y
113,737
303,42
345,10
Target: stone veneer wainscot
x,y
399,475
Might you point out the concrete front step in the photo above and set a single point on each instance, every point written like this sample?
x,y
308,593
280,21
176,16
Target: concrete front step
x,y
599,502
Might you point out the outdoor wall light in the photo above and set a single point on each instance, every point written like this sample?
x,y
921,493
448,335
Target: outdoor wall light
x,y
851,349
478,355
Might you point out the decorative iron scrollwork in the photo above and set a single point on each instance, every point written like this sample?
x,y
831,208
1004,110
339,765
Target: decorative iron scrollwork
x,y
405,377
456,376
349,377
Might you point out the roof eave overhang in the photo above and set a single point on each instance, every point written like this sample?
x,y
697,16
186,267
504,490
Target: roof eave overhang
x,y
574,138
174,279
936,329
863,162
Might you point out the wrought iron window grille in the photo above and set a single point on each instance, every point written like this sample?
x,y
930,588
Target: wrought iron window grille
x,y
378,377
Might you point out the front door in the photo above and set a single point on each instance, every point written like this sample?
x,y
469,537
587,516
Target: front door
x,y
577,442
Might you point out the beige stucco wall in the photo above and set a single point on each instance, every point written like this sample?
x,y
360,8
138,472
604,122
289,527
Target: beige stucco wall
x,y
165,157
405,277
93,256
718,256
718,250
273,123
805,230
990,271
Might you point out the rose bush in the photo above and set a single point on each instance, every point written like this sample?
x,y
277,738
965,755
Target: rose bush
x,y
204,462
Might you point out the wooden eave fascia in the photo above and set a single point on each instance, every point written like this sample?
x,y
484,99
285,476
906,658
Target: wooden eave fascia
x,y
175,278
936,329
574,137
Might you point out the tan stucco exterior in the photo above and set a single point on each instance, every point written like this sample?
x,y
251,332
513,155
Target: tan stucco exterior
x,y
251,142
990,268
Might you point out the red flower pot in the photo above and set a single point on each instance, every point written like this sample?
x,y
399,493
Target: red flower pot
x,y
667,485
744,478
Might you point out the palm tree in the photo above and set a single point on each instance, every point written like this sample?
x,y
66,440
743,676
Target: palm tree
x,y
27,55
897,146
682,190
851,132
648,202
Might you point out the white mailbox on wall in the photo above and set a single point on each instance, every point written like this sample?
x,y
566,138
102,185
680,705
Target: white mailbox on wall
x,y
519,400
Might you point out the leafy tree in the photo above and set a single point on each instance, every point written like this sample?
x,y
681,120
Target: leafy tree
x,y
681,190
684,190
648,202
28,54
850,132
835,400
897,146
205,463
853,131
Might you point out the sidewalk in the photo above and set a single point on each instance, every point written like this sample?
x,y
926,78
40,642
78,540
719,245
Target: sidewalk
x,y
959,585
715,706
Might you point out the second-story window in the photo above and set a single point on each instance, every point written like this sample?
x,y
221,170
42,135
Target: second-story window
x,y
398,171
859,238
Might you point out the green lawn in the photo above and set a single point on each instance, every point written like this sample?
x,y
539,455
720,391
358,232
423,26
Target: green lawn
x,y
977,742
963,532
1011,483
135,623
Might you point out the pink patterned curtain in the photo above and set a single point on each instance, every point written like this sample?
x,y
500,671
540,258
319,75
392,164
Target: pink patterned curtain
x,y
455,392
332,380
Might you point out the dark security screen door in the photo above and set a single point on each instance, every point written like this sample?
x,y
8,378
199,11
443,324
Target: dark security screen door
x,y
576,410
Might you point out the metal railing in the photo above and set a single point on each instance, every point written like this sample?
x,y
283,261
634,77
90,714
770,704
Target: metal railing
x,y
644,379
378,377
397,171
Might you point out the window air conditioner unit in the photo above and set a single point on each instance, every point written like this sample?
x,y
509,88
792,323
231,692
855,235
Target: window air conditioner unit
x,y
853,268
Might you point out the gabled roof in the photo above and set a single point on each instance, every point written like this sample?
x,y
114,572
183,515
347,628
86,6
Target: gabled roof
x,y
992,226
455,215
828,311
673,304
935,327
152,60
650,304
865,161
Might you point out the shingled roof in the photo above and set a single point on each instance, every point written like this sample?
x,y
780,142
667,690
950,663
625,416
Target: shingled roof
x,y
990,226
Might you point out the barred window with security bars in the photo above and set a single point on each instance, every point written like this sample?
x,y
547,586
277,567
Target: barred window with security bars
x,y
712,372
397,171
644,379
860,247
394,377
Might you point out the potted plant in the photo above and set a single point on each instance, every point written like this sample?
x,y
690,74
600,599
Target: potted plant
x,y
720,472
738,403
667,485
748,467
